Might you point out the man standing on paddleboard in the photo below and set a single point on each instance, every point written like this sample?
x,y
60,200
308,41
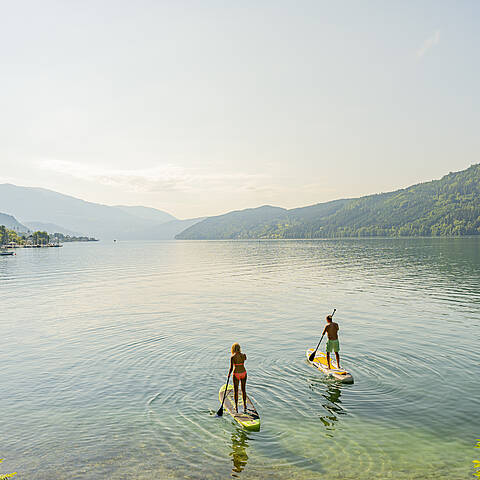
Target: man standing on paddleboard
x,y
331,329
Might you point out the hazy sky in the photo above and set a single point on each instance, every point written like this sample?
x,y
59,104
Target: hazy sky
x,y
201,107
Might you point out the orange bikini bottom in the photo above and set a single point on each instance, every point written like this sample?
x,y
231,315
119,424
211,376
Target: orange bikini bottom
x,y
239,376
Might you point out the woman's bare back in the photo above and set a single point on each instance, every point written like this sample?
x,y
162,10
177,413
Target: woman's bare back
x,y
238,360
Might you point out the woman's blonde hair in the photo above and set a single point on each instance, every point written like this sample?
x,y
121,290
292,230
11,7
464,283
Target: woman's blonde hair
x,y
236,348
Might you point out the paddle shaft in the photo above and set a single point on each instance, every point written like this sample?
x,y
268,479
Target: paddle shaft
x,y
312,356
318,344
220,411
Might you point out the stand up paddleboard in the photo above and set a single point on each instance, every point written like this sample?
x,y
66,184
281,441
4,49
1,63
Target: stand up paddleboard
x,y
249,420
320,362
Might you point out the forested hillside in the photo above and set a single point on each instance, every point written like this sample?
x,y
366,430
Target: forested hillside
x,y
450,206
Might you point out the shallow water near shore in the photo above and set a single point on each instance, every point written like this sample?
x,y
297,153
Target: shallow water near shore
x,y
113,354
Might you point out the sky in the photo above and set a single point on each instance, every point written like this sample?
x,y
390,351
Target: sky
x,y
202,107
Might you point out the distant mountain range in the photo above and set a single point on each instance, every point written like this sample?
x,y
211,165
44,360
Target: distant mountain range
x,y
168,230
42,209
12,223
51,228
147,213
450,206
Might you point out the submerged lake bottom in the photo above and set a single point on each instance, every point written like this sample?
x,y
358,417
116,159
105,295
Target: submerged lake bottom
x,y
113,355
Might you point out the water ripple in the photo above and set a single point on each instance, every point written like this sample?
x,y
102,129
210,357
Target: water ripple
x,y
114,355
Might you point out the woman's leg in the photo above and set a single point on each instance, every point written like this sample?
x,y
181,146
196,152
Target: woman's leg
x,y
244,391
235,391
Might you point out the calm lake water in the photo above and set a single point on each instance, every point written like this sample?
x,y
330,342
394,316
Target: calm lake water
x,y
112,356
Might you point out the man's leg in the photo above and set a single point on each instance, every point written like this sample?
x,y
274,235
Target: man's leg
x,y
337,355
328,359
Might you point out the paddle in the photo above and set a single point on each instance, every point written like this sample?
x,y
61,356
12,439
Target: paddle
x,y
220,410
312,356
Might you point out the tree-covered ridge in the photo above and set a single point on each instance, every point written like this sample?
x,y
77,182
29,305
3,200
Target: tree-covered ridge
x,y
239,224
449,206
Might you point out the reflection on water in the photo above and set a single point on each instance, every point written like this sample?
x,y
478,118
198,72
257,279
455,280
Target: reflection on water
x,y
332,406
328,392
239,451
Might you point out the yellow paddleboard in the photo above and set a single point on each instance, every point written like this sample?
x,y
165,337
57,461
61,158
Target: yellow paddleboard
x,y
249,420
320,362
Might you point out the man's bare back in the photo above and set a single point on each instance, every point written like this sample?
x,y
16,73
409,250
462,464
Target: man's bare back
x,y
331,330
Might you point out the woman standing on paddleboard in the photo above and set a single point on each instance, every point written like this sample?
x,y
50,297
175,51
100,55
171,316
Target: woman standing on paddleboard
x,y
237,361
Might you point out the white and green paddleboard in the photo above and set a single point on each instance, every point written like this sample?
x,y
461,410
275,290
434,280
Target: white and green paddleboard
x,y
320,362
249,420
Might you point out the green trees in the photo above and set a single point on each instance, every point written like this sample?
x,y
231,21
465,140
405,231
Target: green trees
x,y
37,238
3,235
445,207
9,236
40,238
14,237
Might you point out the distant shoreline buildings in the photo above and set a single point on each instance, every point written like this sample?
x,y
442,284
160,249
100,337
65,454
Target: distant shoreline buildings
x,y
14,238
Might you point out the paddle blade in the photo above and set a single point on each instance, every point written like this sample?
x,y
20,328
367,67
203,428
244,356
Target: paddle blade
x,y
312,356
220,412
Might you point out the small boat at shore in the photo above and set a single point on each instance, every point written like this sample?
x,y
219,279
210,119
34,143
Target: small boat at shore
x,y
6,253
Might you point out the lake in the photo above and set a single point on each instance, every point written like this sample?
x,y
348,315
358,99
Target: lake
x,y
113,354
